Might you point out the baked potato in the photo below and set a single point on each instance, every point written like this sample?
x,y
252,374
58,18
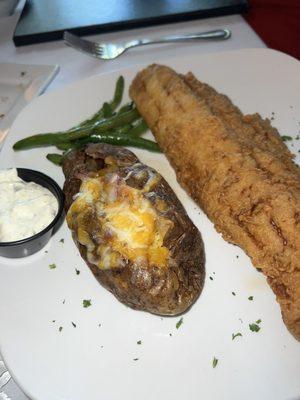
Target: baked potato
x,y
132,231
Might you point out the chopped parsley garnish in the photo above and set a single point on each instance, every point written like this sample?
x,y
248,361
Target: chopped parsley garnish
x,y
254,327
250,298
285,138
60,328
234,335
258,321
179,323
233,293
139,342
62,240
77,271
52,266
86,303
215,362
73,324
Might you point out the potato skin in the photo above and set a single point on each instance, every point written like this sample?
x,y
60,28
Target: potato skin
x,y
167,290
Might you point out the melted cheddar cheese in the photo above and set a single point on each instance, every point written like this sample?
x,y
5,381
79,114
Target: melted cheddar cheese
x,y
117,224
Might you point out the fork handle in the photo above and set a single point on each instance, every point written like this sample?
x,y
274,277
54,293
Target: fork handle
x,y
217,34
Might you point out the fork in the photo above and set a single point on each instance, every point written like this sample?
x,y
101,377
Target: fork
x,y
109,51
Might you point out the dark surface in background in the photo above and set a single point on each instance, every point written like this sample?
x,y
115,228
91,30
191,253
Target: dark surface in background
x,y
277,22
45,20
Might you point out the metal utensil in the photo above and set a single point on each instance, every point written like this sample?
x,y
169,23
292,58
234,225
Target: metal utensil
x,y
109,51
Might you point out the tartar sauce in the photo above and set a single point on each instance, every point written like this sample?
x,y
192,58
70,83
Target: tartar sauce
x,y
26,208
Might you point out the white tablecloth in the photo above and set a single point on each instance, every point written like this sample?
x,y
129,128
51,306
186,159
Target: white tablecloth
x,y
75,65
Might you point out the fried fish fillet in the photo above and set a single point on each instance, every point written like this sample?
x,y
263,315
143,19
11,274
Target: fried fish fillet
x,y
238,170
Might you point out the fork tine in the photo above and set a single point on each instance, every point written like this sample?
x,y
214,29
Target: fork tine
x,y
99,50
84,45
77,41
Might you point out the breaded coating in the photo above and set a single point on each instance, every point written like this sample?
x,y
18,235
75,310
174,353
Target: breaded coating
x,y
237,169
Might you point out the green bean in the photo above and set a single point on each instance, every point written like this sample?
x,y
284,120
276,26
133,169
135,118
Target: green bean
x,y
64,145
123,130
118,95
69,145
56,159
49,139
115,139
89,121
107,110
121,140
119,131
138,129
126,107
100,114
115,121
110,138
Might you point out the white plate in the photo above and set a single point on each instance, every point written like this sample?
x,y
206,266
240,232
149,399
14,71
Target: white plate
x,y
95,360
19,84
